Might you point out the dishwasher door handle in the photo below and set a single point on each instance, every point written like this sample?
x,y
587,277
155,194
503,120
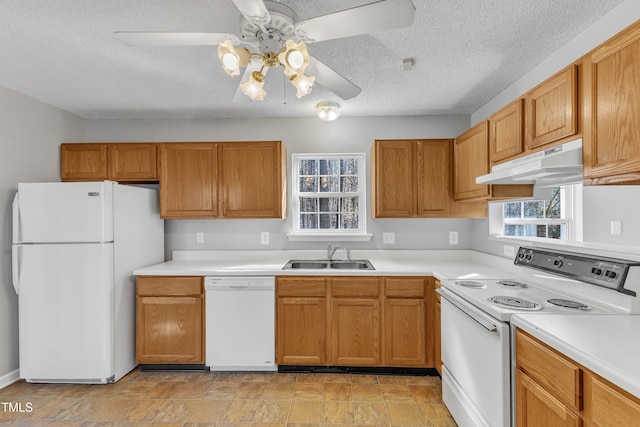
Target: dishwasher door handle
x,y
460,306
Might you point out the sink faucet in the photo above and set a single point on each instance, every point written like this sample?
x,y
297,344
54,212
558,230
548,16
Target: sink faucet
x,y
332,250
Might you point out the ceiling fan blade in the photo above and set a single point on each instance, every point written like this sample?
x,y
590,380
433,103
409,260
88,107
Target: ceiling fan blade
x,y
254,10
239,97
370,18
145,38
331,80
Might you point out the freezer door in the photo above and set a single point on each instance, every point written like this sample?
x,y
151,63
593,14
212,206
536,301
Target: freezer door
x,y
66,313
64,212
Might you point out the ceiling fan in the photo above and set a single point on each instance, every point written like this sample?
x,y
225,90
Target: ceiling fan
x,y
275,37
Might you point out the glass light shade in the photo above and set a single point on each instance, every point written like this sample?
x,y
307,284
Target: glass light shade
x,y
232,59
303,84
253,87
328,110
294,57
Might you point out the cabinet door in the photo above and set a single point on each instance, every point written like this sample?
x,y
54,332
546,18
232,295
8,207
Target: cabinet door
x,y
83,162
506,132
301,331
404,332
535,407
470,160
437,333
188,180
393,192
169,320
133,162
611,136
607,405
355,331
434,177
252,179
551,109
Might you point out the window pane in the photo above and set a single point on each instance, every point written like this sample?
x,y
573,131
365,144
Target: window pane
x,y
308,204
349,204
513,210
308,167
308,184
349,184
556,231
308,221
514,230
534,209
535,230
349,221
349,166
329,167
552,206
329,221
329,204
329,184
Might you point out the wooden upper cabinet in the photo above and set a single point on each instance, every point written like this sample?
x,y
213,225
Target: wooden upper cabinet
x,y
551,109
133,162
188,180
611,134
434,177
252,179
470,160
83,162
506,132
393,179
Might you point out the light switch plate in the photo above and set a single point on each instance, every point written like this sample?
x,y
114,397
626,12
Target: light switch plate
x,y
509,251
389,238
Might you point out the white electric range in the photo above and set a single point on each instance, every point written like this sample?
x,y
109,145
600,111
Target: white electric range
x,y
477,341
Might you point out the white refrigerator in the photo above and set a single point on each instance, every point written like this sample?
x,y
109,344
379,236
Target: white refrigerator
x,y
75,245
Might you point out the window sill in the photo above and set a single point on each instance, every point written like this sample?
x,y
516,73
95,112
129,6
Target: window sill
x,y
329,237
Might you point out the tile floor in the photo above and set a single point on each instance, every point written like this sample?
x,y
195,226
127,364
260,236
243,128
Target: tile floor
x,y
230,400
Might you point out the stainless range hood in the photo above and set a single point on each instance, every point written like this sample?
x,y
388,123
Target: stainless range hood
x,y
561,164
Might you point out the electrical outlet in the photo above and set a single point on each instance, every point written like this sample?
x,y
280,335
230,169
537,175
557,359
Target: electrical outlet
x,y
616,228
509,251
264,238
200,238
389,238
453,237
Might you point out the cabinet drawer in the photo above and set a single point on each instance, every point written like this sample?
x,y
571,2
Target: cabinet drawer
x,y
404,287
300,287
355,287
557,374
169,286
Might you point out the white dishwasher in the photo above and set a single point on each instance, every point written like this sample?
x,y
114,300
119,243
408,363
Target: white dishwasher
x,y
240,323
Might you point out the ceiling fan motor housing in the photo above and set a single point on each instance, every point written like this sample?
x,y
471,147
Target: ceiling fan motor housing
x,y
278,30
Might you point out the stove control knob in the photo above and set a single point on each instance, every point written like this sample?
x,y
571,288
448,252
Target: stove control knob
x,y
529,256
557,263
596,271
611,274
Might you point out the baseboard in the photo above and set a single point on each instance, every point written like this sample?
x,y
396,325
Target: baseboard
x,y
9,378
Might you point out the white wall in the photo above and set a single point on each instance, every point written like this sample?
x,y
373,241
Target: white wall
x,y
308,135
30,136
601,204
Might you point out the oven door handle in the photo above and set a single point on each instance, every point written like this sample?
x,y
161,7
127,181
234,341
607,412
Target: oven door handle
x,y
460,306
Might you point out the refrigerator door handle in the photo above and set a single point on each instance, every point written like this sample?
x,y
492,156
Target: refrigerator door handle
x,y
15,267
15,218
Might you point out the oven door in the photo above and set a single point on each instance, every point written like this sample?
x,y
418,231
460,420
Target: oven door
x,y
476,364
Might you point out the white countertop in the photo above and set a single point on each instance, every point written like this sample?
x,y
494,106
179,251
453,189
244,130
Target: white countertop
x,y
441,264
608,345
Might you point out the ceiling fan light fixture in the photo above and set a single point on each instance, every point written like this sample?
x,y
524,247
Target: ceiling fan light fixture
x,y
303,84
232,59
328,110
294,57
254,87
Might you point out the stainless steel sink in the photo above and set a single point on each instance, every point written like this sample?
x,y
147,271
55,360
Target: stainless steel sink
x,y
301,264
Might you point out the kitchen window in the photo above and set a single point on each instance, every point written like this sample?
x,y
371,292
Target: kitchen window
x,y
329,195
557,215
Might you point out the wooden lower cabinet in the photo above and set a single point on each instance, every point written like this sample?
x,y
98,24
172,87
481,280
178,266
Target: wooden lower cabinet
x,y
437,347
553,390
354,321
170,320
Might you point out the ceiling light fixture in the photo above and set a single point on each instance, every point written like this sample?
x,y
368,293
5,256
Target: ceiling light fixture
x,y
293,56
328,110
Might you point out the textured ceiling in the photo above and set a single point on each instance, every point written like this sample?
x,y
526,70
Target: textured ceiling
x,y
63,53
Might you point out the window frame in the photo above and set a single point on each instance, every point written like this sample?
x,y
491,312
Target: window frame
x,y
298,233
